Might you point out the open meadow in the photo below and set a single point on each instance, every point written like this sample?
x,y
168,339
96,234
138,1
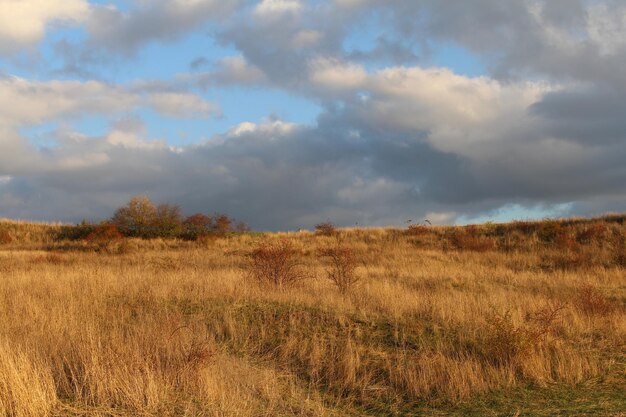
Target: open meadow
x,y
520,319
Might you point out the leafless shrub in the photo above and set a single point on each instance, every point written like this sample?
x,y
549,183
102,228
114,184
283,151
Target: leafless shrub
x,y
197,354
276,264
342,268
544,319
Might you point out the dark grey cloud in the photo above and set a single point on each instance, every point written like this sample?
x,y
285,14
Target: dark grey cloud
x,y
593,116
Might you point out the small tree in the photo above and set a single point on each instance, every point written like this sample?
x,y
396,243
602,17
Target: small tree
x,y
342,268
137,218
223,224
196,226
168,221
242,227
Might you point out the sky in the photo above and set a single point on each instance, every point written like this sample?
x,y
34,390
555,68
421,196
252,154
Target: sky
x,y
287,113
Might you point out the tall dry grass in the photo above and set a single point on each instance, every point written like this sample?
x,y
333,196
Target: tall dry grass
x,y
172,328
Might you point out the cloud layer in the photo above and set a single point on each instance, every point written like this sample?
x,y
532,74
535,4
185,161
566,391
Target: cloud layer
x,y
398,136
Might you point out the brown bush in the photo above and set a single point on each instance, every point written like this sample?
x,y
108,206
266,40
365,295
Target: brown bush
x,y
592,233
5,237
461,240
342,268
548,231
325,229
103,234
276,264
564,240
524,227
591,301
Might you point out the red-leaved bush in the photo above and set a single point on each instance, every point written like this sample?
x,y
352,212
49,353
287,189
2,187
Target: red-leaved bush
x,y
104,233
277,264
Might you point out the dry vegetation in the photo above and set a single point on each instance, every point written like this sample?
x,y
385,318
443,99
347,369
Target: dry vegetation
x,y
517,319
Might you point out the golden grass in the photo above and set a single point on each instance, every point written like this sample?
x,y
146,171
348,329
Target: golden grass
x,y
170,328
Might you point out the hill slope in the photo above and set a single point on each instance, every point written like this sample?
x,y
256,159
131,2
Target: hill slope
x,y
526,318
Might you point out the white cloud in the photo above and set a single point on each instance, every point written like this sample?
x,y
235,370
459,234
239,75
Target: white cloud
x,y
272,128
28,102
236,70
182,105
457,111
336,75
24,22
276,8
32,102
132,140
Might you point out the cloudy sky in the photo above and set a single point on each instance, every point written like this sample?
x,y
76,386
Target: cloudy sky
x,y
285,113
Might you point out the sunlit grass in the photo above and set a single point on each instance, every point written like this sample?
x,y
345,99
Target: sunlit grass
x,y
438,322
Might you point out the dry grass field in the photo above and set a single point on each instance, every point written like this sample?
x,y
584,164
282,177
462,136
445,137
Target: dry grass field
x,y
494,320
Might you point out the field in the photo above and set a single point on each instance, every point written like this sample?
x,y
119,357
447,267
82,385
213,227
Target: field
x,y
521,319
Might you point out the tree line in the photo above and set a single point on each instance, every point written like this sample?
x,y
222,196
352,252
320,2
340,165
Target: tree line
x,y
141,218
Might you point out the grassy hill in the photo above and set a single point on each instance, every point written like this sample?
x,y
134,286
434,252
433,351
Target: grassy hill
x,y
525,318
